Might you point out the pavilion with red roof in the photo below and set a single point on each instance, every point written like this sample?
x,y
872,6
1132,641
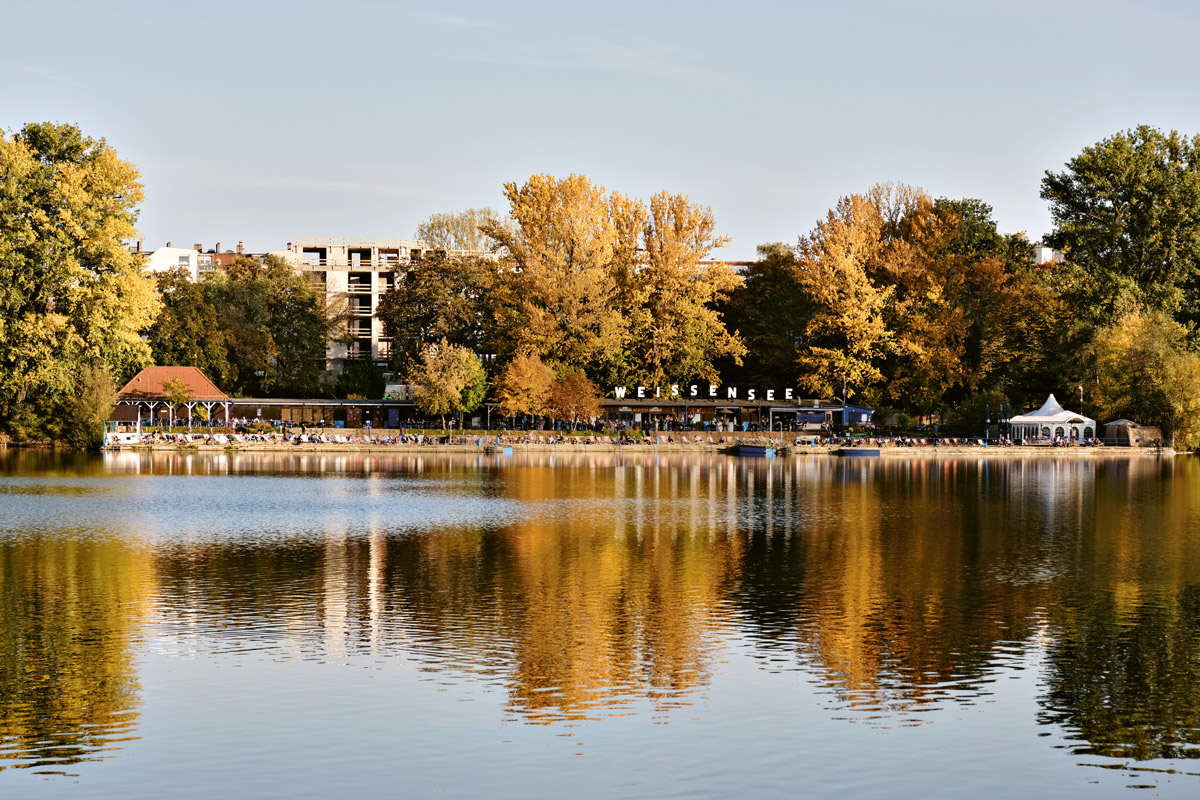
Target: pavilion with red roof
x,y
148,389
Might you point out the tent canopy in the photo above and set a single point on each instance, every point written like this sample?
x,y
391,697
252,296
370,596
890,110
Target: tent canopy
x,y
1052,420
1051,412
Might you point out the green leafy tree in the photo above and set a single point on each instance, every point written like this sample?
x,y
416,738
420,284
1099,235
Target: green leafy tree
x,y
436,297
91,403
187,332
770,311
275,326
459,231
362,379
71,294
474,380
1127,211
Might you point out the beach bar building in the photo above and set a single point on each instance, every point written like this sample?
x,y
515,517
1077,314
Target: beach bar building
x,y
147,392
1051,422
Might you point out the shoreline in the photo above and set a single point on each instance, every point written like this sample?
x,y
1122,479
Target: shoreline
x,y
788,451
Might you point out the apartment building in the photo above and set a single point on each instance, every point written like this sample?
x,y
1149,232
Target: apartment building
x,y
360,272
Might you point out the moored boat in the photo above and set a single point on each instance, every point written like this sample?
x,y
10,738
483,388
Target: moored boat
x,y
857,452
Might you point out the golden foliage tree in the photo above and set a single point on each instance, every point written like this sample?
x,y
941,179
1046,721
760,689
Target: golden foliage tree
x,y
1145,371
677,329
447,379
928,283
573,397
847,334
596,280
524,386
562,245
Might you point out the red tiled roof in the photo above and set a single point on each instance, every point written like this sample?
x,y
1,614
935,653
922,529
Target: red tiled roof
x,y
147,385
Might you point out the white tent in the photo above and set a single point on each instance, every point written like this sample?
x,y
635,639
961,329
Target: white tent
x,y
1052,421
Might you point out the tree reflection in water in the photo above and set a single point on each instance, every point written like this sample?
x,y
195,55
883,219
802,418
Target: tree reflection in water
x,y
616,584
69,610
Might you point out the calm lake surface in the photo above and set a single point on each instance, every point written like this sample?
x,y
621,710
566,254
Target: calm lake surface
x,y
598,626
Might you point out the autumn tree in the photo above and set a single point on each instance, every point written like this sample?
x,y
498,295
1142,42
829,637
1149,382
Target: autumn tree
x,y
1144,370
846,335
447,379
524,386
1018,337
1127,211
946,306
563,254
177,394
573,397
71,295
676,327
460,231
927,286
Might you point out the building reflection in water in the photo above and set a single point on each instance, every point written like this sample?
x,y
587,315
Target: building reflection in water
x,y
616,584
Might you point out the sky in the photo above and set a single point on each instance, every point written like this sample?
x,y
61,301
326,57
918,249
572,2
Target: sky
x,y
263,121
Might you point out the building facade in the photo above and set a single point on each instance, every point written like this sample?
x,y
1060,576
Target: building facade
x,y
357,272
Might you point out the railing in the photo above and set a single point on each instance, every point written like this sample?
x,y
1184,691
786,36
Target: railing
x,y
354,244
359,288
375,264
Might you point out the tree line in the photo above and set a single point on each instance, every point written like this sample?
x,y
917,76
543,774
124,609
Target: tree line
x,y
903,301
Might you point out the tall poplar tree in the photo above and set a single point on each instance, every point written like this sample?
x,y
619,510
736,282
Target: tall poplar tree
x,y
677,329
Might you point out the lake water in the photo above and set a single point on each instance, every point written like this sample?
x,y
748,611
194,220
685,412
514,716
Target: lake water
x,y
598,626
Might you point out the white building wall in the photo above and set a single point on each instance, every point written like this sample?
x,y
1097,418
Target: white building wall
x,y
165,259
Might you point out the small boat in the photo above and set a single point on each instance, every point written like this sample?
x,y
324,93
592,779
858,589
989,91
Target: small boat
x,y
115,440
756,450
495,449
857,452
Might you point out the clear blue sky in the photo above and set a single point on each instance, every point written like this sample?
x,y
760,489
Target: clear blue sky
x,y
267,121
